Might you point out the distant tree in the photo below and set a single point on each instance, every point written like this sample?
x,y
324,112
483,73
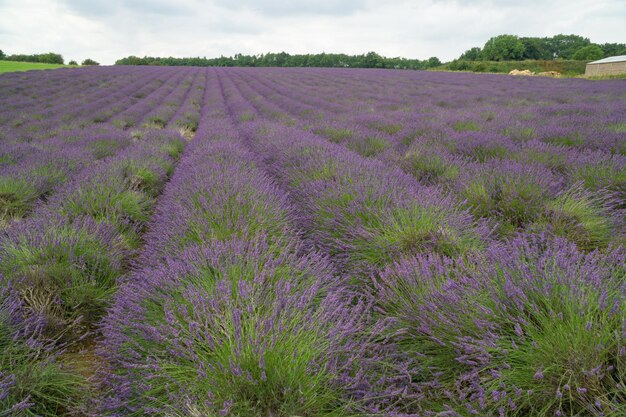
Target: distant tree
x,y
372,60
432,62
90,61
589,53
472,54
565,46
504,48
459,65
72,62
613,49
48,58
537,48
283,59
244,60
1,54
51,58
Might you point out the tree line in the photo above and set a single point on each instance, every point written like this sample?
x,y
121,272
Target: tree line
x,y
498,48
567,47
283,59
47,58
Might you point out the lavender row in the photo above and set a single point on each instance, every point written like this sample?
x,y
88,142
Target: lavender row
x,y
52,85
393,111
361,212
97,106
265,326
62,267
115,195
505,354
89,192
30,173
530,327
512,202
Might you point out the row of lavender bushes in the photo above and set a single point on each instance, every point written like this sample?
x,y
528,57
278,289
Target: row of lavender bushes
x,y
574,189
61,265
534,293
230,315
454,319
75,199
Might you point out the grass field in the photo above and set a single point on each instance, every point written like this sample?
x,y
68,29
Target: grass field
x,y
11,66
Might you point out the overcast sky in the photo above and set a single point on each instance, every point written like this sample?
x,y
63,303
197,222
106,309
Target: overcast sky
x,y
106,30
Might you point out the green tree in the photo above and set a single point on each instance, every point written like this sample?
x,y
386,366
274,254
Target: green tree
x,y
51,58
72,62
90,61
589,53
1,54
613,49
536,48
504,48
472,54
432,62
283,59
565,46
372,60
48,58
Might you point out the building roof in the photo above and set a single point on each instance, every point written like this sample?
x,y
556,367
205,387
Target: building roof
x,y
619,58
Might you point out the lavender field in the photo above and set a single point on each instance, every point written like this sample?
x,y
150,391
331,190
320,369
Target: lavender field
x,y
311,242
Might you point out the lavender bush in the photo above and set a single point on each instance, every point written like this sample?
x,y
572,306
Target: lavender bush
x,y
33,382
533,327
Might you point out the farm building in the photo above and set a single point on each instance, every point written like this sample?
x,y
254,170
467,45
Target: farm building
x,y
613,65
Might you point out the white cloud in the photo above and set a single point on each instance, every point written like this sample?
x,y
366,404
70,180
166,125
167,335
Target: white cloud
x,y
106,30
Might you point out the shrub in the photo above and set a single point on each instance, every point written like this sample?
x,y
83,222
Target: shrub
x,y
104,148
430,168
581,217
33,381
389,128
410,230
245,211
465,126
66,273
188,122
334,134
532,328
369,146
156,121
17,196
589,53
89,61
174,148
113,203
511,194
246,117
609,173
554,158
260,338
568,140
366,232
481,147
147,176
